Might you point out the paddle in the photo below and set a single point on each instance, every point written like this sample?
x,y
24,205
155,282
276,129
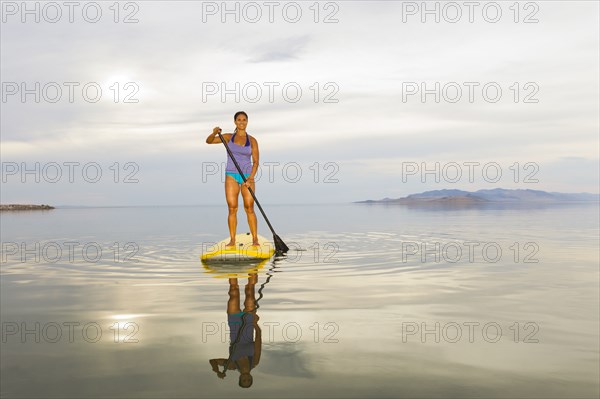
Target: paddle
x,y
280,246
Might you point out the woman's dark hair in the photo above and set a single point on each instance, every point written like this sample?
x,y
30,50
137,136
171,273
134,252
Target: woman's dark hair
x,y
240,113
236,115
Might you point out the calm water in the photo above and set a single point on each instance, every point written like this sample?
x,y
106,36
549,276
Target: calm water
x,y
372,301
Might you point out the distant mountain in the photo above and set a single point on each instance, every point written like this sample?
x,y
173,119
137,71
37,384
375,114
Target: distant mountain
x,y
439,194
493,195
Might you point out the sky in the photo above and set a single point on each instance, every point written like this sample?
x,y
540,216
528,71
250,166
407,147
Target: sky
x,y
348,100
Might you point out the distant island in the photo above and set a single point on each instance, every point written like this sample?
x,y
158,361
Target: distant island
x,y
21,207
496,195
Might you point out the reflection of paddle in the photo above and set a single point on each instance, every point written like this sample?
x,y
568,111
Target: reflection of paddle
x,y
280,246
262,286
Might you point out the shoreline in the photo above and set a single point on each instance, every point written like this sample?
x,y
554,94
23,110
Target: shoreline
x,y
24,207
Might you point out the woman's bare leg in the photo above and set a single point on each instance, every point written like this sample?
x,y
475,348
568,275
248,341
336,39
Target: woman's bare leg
x,y
249,208
233,304
232,192
250,299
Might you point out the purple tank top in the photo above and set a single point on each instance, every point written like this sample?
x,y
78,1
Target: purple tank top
x,y
242,155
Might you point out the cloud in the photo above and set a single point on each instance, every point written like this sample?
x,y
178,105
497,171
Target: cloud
x,y
280,50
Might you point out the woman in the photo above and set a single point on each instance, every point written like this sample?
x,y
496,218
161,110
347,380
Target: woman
x,y
243,146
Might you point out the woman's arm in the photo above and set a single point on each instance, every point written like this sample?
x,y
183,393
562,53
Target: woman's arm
x,y
215,363
257,344
213,138
255,156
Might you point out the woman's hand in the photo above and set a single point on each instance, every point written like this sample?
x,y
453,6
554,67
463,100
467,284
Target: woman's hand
x,y
211,138
220,374
248,182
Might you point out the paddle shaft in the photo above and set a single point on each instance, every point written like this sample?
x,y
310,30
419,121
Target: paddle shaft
x,y
244,178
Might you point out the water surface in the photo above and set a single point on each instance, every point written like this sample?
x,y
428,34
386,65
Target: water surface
x,y
372,301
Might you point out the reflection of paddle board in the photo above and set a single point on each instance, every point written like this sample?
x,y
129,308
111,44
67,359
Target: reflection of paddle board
x,y
240,269
243,249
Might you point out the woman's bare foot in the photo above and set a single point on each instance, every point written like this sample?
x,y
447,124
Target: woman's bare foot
x,y
255,243
231,243
252,278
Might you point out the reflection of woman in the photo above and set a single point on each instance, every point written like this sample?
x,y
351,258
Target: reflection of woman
x,y
244,349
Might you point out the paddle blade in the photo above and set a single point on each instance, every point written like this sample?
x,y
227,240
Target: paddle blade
x,y
280,246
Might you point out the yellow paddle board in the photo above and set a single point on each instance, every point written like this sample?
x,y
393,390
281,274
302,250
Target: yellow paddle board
x,y
242,251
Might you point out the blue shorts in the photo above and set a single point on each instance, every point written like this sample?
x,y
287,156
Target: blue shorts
x,y
237,176
235,321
